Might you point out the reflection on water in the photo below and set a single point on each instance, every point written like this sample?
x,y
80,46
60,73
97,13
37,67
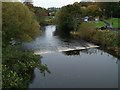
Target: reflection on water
x,y
90,68
73,67
77,52
72,52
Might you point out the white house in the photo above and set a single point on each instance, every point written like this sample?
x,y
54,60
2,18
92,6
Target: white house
x,y
86,19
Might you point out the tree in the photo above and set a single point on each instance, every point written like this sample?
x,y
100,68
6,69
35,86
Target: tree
x,y
108,7
94,10
27,1
40,14
84,11
68,18
18,22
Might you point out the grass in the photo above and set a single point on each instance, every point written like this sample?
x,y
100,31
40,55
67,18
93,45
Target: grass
x,y
115,22
99,24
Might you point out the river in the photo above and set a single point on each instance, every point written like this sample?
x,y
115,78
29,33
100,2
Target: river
x,y
73,63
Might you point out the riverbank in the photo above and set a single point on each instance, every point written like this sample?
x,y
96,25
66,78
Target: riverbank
x,y
106,39
18,66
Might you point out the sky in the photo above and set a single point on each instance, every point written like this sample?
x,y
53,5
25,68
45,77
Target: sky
x,y
60,3
57,3
53,3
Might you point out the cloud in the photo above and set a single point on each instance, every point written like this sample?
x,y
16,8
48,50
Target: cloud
x,y
10,0
53,3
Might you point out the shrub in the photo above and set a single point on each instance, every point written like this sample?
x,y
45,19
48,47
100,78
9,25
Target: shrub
x,y
18,67
18,20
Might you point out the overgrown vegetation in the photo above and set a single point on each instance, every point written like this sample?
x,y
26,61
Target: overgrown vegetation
x,y
109,9
40,13
68,18
105,38
18,67
19,24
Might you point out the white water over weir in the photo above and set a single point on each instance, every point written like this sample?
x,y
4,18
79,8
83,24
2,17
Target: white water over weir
x,y
50,43
62,49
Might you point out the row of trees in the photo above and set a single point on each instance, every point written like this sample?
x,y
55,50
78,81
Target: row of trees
x,y
40,13
110,8
69,17
107,8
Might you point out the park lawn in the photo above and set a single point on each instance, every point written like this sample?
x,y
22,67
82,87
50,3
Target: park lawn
x,y
115,22
99,24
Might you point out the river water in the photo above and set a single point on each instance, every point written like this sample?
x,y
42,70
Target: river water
x,y
73,63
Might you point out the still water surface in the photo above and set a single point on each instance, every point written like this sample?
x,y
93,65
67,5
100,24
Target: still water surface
x,y
90,68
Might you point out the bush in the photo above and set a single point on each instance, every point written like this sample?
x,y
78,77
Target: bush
x,y
18,21
68,18
18,67
86,30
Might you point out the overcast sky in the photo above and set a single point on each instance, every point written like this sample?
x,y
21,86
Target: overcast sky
x,y
60,3
57,3
53,3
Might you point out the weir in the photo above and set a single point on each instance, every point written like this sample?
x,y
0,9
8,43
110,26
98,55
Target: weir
x,y
47,42
62,49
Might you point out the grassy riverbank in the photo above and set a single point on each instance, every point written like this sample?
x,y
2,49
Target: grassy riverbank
x,y
105,38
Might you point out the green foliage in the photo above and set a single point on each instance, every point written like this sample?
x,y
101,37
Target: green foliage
x,y
52,11
99,24
94,10
114,22
18,67
29,5
84,11
18,22
109,8
49,20
68,18
41,14
105,38
86,30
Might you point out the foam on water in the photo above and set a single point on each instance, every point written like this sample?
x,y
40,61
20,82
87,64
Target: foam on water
x,y
61,49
